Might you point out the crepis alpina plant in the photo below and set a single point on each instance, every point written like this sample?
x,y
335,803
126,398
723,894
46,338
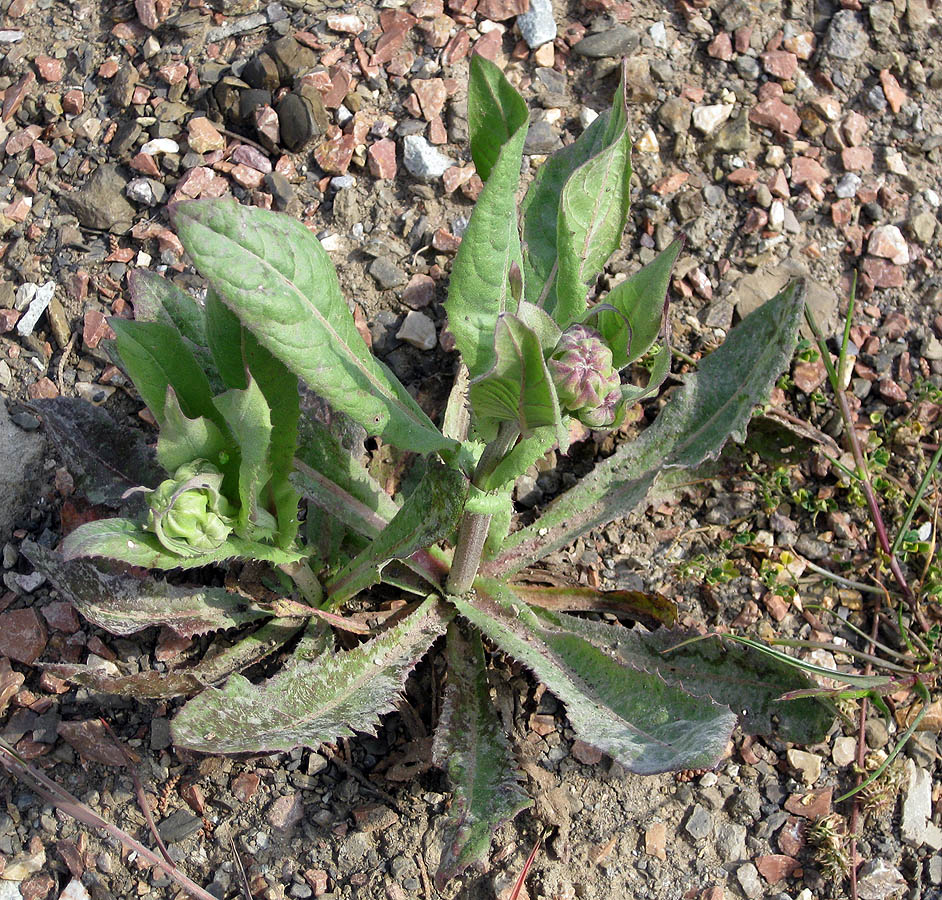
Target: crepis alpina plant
x,y
237,459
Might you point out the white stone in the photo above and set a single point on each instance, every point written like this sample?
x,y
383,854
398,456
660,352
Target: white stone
x,y
141,190
422,160
537,25
844,751
74,890
917,804
658,33
647,143
587,116
707,119
887,241
807,764
776,215
418,330
895,163
10,36
160,145
10,890
37,306
848,185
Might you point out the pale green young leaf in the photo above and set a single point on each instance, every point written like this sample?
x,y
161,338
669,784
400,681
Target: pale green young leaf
x,y
518,387
126,541
660,369
278,279
634,716
715,403
247,415
311,701
523,455
495,113
479,289
639,308
428,515
155,356
471,747
183,440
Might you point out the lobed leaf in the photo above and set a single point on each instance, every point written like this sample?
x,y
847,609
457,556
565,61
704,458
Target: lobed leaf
x,y
479,289
125,604
635,716
471,747
714,403
126,541
278,279
311,701
106,459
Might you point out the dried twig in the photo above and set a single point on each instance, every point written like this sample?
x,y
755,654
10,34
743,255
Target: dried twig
x,y
243,878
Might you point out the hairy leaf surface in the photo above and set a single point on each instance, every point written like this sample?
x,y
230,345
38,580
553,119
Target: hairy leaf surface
x,y
105,458
278,279
311,701
636,717
125,604
714,403
479,289
495,113
651,609
471,747
224,336
158,299
126,541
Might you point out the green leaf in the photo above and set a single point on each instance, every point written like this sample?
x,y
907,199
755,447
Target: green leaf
x,y
126,541
660,369
224,337
541,206
106,459
634,716
714,403
495,113
472,748
429,514
151,685
593,210
247,415
158,299
311,701
499,527
125,604
183,440
640,306
518,387
523,455
651,609
480,289
155,356
278,279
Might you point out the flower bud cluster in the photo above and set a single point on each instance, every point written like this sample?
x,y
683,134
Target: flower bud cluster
x,y
586,381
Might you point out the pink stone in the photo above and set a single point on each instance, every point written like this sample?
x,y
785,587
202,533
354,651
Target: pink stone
x,y
431,94
286,812
427,9
15,95
489,46
200,181
334,155
73,101
22,635
340,84
147,13
95,329
266,124
8,319
109,68
146,164
250,156
437,133
202,135
43,154
20,140
445,242
457,48
807,171
743,37
247,177
346,24
802,45
791,839
721,47
173,73
887,241
811,804
499,10
756,219
419,292
891,391
586,753
894,94
775,114
883,274
244,786
49,68
857,159
780,63
776,866
381,158
854,127
655,838
455,176
43,389
61,616
778,185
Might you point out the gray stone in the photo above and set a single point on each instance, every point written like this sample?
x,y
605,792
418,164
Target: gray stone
x,y
146,191
935,869
699,824
714,195
281,189
122,88
178,825
675,115
160,734
418,330
731,842
613,42
387,274
422,160
550,88
542,138
296,122
749,881
846,36
688,206
878,880
747,67
922,227
847,185
21,456
734,135
537,25
917,804
882,15
100,203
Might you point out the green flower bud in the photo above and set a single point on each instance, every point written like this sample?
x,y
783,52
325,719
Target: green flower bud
x,y
581,368
188,513
603,415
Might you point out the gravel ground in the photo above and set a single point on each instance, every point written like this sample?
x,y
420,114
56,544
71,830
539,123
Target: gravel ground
x,y
784,138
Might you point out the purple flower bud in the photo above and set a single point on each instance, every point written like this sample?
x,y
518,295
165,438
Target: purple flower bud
x,y
581,369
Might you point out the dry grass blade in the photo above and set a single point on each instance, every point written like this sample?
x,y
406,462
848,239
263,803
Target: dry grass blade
x,y
243,878
72,806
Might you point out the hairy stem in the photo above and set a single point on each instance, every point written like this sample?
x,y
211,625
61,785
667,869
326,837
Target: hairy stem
x,y
472,532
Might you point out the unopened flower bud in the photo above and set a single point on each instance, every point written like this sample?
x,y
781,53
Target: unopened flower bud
x,y
581,369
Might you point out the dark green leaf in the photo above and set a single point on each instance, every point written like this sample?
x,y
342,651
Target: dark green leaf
x,y
224,336
472,748
158,299
495,113
311,700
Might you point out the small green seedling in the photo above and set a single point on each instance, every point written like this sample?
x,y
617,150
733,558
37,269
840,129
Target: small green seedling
x,y
240,460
